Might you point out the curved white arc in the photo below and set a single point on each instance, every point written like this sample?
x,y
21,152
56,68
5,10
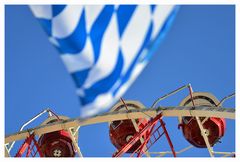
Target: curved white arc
x,y
159,17
66,22
134,34
42,11
108,55
80,61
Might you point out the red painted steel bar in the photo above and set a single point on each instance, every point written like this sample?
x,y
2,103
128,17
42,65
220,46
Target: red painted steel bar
x,y
168,138
155,140
191,94
146,141
24,146
137,136
38,148
27,145
124,103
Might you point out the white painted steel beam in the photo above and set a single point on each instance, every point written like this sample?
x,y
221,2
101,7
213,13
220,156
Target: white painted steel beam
x,y
179,111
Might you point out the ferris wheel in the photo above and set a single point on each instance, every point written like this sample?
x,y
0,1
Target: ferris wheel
x,y
133,129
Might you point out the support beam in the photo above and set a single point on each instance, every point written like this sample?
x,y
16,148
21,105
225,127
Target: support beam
x,y
199,111
74,141
168,137
6,151
141,139
170,152
204,136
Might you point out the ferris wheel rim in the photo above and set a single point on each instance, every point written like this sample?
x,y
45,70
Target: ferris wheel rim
x,y
178,111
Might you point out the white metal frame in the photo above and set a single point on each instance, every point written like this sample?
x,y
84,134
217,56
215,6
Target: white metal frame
x,y
74,140
200,111
73,125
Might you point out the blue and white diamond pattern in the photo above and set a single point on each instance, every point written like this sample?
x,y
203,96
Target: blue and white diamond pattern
x,y
104,47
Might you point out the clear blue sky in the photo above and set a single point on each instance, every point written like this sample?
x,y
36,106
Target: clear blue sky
x,y
199,49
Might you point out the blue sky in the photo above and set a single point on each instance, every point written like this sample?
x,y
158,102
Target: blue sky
x,y
199,49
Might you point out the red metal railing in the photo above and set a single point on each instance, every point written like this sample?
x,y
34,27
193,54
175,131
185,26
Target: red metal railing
x,y
28,146
151,132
